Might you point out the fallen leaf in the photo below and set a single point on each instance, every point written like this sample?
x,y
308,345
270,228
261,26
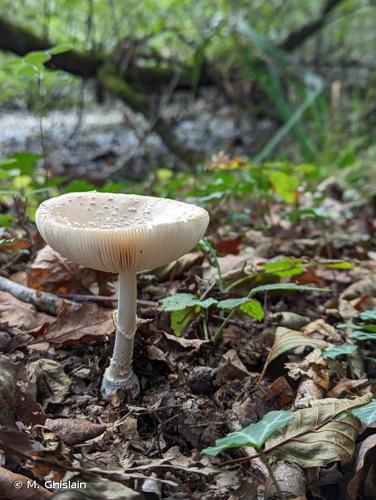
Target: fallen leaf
x,y
20,314
320,327
366,456
346,385
178,267
8,372
79,325
52,382
17,395
99,489
333,442
286,340
231,367
9,491
313,366
279,394
358,297
228,246
73,431
186,343
51,272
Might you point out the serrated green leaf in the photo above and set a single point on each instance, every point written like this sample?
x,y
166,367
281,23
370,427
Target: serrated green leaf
x,y
359,335
253,308
339,350
181,301
178,302
369,315
253,435
232,303
367,413
292,287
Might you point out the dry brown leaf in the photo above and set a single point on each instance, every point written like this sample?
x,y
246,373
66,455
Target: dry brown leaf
x,y
346,385
73,431
286,340
365,458
231,367
358,297
80,325
15,486
279,394
313,366
52,382
323,329
51,272
21,315
301,441
178,267
186,343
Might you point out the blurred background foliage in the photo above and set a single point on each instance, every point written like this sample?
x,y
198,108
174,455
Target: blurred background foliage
x,y
221,99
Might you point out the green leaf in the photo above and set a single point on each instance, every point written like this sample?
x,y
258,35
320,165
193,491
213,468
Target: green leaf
x,y
292,287
6,220
24,161
79,185
37,58
341,264
285,268
284,185
369,315
181,301
59,49
359,335
179,320
13,64
232,303
366,413
339,350
253,435
253,308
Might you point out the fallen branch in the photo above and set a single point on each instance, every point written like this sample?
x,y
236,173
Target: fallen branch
x,y
52,304
45,302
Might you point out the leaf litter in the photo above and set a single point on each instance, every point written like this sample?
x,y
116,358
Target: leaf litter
x,y
280,338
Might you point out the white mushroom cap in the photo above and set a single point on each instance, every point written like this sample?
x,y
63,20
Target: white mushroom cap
x,y
120,232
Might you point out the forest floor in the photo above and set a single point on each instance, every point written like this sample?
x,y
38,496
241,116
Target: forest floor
x,y
213,379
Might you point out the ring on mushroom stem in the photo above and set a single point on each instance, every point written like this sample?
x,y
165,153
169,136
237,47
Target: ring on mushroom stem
x,y
124,234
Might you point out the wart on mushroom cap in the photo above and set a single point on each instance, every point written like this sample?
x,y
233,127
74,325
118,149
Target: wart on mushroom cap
x,y
123,234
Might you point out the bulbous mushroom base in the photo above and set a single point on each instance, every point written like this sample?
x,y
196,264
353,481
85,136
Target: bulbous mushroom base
x,y
129,386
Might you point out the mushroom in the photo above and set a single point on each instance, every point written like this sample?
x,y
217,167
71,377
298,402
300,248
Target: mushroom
x,y
125,234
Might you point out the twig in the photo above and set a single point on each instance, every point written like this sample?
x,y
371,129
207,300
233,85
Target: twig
x,y
94,471
52,304
46,302
76,297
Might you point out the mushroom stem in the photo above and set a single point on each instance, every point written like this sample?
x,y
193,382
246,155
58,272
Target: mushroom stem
x,y
119,374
